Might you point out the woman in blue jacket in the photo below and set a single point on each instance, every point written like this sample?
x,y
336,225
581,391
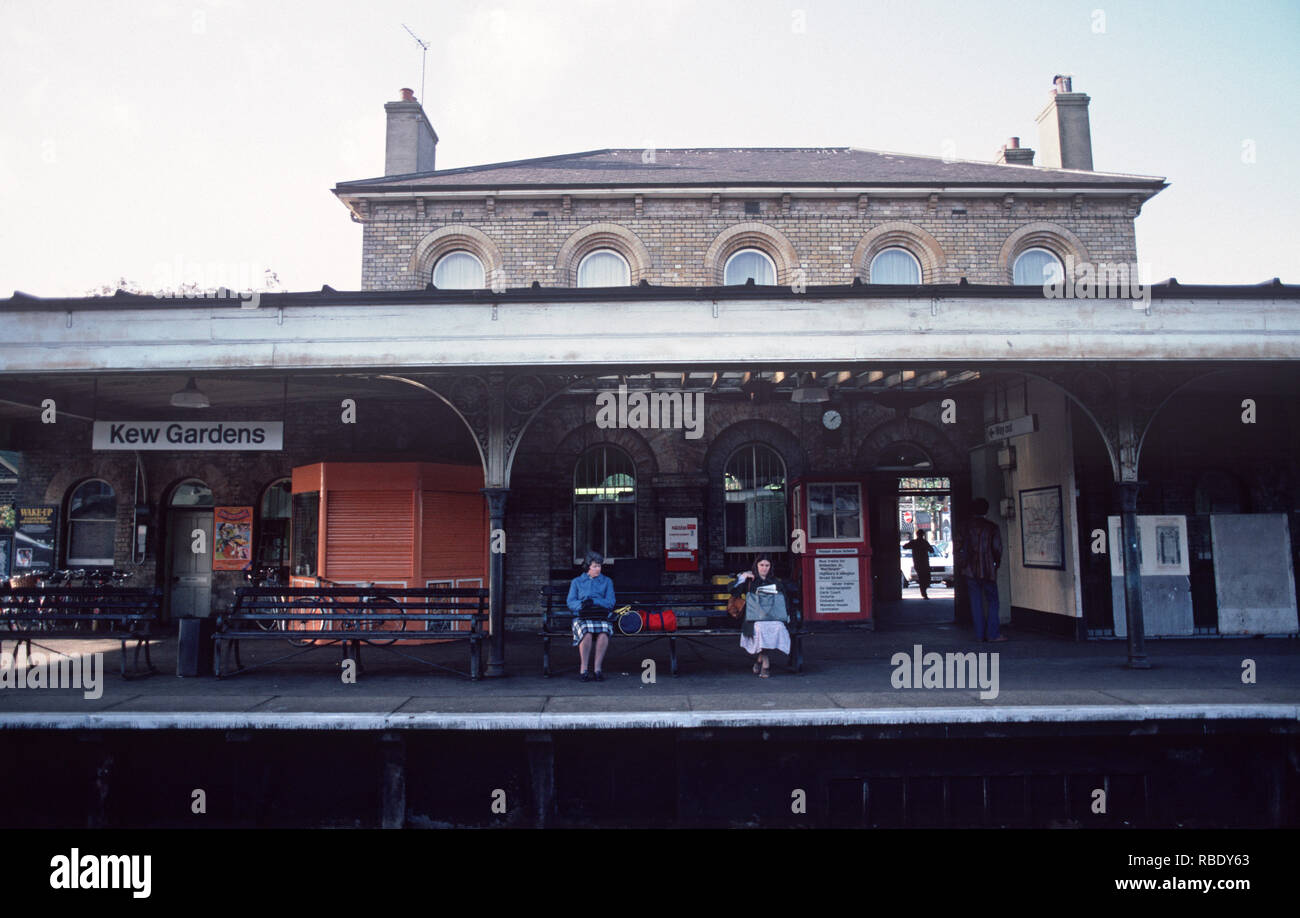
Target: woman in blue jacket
x,y
591,599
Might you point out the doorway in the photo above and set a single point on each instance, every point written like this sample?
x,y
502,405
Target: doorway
x,y
189,550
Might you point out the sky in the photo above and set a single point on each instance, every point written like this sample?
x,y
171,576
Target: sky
x,y
198,141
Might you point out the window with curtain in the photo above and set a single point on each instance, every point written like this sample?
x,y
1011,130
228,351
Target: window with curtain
x,y
604,268
604,504
754,494
1037,266
92,523
749,264
458,271
895,266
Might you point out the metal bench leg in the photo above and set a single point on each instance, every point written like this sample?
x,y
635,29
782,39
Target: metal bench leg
x,y
475,659
546,656
672,652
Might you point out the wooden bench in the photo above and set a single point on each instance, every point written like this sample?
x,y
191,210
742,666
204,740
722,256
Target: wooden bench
x,y
310,618
700,615
32,614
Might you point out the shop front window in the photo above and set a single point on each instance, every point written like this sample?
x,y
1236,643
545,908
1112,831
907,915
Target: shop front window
x,y
273,530
834,512
305,529
604,504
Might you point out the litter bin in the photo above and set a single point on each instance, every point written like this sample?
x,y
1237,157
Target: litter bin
x,y
194,646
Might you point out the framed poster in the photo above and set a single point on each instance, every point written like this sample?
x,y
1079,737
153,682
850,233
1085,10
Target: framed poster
x,y
35,534
1042,529
232,539
6,544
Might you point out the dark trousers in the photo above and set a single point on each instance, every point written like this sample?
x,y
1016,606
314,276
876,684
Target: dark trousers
x,y
983,607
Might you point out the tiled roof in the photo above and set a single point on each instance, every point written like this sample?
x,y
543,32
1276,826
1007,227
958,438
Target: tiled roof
x,y
748,166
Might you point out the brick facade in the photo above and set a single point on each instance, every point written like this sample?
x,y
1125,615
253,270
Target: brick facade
x,y
824,234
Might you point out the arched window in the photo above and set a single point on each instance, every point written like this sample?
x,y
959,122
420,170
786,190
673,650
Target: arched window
x,y
604,268
92,523
749,264
273,525
192,493
604,504
754,491
458,271
1037,266
895,266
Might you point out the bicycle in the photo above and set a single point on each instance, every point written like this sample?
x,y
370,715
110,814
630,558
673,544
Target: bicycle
x,y
368,604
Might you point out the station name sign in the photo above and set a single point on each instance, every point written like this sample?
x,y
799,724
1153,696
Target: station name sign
x,y
189,435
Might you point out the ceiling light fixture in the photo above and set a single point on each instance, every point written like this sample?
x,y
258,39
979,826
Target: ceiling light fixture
x,y
190,397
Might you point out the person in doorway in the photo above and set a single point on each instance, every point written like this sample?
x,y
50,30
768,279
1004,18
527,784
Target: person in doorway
x,y
920,548
765,613
979,553
591,599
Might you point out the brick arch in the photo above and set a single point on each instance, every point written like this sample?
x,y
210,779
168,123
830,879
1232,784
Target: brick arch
x,y
1051,236
947,458
602,236
68,479
453,238
577,441
70,475
908,236
565,456
752,235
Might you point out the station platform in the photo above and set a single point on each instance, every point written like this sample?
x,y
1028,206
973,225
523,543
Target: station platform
x,y
849,678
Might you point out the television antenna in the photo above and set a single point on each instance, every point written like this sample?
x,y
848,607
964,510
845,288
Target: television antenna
x,y
424,54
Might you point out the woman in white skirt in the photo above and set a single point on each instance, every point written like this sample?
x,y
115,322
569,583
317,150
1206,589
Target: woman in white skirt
x,y
765,613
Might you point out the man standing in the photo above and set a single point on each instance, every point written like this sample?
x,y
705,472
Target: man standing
x,y
979,552
920,548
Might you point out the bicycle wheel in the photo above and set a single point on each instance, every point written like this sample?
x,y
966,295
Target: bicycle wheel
x,y
384,605
275,605
301,625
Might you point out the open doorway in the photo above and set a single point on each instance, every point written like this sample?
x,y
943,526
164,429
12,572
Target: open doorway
x,y
925,539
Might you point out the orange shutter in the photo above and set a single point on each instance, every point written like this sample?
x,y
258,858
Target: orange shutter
x,y
369,536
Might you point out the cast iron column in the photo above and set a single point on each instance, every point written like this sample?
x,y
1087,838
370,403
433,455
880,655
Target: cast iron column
x,y
496,581
1137,655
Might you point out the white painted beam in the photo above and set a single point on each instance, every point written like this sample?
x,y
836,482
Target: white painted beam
x,y
645,333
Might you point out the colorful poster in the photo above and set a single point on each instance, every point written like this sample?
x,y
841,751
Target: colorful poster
x,y
35,533
232,541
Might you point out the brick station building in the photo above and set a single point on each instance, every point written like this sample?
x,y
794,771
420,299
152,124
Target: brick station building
x,y
869,321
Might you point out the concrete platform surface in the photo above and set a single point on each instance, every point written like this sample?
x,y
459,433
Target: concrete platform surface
x,y
850,676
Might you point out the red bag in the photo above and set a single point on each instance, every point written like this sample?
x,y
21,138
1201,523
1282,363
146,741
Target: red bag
x,y
660,621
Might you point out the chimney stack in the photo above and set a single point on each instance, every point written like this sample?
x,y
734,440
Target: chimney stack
x,y
1013,154
1063,132
411,141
